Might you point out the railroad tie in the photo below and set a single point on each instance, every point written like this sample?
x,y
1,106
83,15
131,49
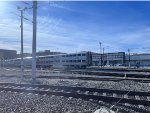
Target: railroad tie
x,y
6,86
114,95
21,93
56,90
29,88
126,96
53,96
36,94
79,98
78,91
90,99
70,98
87,92
61,96
44,95
47,89
62,90
100,101
29,94
15,87
104,94
20,87
35,88
10,87
138,98
95,93
2,91
141,106
148,98
41,88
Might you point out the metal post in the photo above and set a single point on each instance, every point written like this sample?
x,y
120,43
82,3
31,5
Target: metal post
x,y
22,64
2,66
103,57
100,53
34,40
3,63
129,58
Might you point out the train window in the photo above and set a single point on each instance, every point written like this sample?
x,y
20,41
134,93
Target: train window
x,y
84,54
79,60
79,54
83,60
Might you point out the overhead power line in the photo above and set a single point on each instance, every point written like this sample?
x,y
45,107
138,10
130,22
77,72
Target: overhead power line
x,y
26,3
23,17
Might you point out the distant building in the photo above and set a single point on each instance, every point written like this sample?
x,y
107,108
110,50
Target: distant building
x,y
108,59
137,60
7,54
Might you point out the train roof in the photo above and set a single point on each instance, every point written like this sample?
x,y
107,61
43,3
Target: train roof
x,y
64,54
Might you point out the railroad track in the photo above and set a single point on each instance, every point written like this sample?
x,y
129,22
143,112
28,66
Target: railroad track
x,y
105,75
97,78
141,100
85,78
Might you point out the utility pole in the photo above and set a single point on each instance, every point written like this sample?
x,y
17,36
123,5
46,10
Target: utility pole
x,y
129,57
34,40
100,53
22,62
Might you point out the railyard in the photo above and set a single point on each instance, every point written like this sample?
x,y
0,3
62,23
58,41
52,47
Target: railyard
x,y
74,91
74,57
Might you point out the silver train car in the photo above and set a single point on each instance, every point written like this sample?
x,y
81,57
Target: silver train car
x,y
73,60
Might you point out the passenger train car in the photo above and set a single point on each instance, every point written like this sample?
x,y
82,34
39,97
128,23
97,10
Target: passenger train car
x,y
73,60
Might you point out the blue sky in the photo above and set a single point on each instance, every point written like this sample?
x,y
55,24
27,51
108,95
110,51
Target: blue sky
x,y
78,26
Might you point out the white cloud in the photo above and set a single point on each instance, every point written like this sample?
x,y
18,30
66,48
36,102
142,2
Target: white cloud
x,y
58,35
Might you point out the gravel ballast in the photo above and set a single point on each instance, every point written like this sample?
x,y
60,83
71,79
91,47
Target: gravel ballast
x,y
30,103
